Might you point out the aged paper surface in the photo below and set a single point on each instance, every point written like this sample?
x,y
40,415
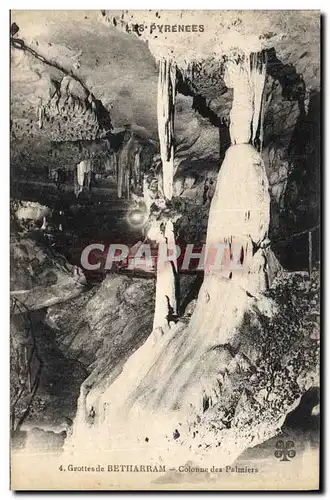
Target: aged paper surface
x,y
165,185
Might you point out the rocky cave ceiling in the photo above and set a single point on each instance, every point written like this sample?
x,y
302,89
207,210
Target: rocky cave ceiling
x,y
82,52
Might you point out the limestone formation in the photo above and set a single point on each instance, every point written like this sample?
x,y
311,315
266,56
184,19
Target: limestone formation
x,y
211,141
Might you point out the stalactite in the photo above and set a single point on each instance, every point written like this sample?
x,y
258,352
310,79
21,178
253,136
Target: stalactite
x,y
128,165
137,168
241,115
166,380
262,119
258,62
247,78
122,170
82,171
41,116
127,181
120,174
165,116
166,304
242,215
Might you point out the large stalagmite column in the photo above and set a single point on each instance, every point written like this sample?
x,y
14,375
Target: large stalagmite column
x,y
239,212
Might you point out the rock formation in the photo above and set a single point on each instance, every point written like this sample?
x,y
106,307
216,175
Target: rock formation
x,y
211,143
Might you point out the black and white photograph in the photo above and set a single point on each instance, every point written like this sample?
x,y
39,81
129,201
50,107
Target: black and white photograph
x,y
165,242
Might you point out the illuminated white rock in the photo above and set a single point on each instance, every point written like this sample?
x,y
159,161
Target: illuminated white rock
x,y
32,210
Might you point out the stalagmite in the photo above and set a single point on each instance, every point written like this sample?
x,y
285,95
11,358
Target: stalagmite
x,y
127,181
165,116
262,119
83,169
44,224
185,372
166,303
110,164
239,216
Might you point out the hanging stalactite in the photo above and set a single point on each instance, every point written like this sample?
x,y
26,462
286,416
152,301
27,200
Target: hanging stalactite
x,y
247,78
128,165
241,115
258,63
166,304
165,116
239,216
